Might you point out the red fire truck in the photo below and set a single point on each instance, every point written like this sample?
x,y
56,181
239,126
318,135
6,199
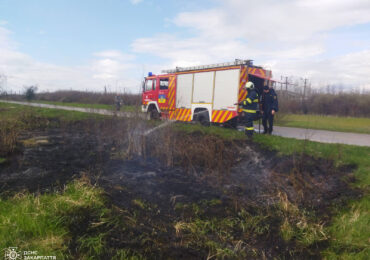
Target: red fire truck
x,y
203,93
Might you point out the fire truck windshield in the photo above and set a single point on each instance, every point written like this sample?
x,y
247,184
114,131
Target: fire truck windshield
x,y
149,85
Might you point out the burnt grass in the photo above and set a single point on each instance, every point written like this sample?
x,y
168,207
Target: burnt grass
x,y
178,195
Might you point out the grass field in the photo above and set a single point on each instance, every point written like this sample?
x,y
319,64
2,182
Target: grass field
x,y
43,223
225,133
13,111
96,106
47,216
331,123
37,223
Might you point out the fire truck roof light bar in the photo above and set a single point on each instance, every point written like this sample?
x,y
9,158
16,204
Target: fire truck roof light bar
x,y
211,66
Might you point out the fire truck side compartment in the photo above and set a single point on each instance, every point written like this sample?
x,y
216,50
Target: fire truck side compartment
x,y
203,87
184,90
226,89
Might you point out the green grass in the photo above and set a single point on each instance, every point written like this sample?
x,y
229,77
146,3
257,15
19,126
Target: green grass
x,y
331,123
320,122
226,133
72,104
83,105
41,222
13,112
45,223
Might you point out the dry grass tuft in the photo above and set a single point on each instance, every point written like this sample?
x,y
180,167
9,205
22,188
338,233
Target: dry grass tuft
x,y
298,224
8,137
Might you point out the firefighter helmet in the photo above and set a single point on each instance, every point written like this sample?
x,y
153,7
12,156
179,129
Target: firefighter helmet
x,y
249,85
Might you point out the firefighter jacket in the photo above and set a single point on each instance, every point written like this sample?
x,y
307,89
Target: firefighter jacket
x,y
270,101
250,103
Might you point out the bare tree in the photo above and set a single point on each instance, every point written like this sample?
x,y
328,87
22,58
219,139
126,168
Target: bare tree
x,y
30,92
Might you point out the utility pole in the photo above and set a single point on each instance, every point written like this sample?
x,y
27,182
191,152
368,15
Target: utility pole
x,y
281,84
304,87
286,84
304,106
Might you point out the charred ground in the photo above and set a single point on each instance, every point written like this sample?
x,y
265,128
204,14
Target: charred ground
x,y
175,195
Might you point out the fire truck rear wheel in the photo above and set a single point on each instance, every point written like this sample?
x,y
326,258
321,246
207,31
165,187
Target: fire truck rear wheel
x,y
203,118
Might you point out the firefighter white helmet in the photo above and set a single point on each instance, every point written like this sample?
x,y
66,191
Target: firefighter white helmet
x,y
249,85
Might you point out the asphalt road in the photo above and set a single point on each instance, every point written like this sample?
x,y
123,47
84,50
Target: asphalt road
x,y
322,136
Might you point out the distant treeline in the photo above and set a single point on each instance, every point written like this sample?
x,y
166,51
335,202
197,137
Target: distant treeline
x,y
341,104
89,97
84,97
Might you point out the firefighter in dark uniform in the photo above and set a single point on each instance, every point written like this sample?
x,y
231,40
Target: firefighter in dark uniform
x,y
118,100
270,106
249,108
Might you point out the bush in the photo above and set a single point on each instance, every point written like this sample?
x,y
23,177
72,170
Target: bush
x,y
30,93
342,104
89,97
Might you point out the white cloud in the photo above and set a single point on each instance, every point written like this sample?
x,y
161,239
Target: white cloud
x,y
114,54
290,34
286,21
135,2
350,69
109,67
5,40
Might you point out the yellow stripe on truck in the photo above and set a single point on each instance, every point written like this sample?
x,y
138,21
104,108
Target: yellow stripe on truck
x,y
223,117
214,115
218,116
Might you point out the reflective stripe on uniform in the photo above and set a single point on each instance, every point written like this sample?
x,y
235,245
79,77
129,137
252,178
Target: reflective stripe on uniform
x,y
249,128
249,110
255,100
249,100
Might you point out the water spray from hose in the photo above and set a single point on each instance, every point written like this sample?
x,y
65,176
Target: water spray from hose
x,y
164,124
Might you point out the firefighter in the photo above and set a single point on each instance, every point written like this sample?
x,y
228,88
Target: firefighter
x,y
118,100
270,106
249,108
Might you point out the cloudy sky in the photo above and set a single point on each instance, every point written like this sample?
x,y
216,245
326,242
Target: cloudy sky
x,y
87,44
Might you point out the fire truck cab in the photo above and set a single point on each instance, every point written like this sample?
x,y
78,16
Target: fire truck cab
x,y
155,95
205,93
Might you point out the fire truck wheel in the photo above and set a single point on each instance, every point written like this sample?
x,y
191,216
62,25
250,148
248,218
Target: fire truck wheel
x,y
153,114
203,118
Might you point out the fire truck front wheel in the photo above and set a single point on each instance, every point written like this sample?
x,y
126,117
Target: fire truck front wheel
x,y
153,114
